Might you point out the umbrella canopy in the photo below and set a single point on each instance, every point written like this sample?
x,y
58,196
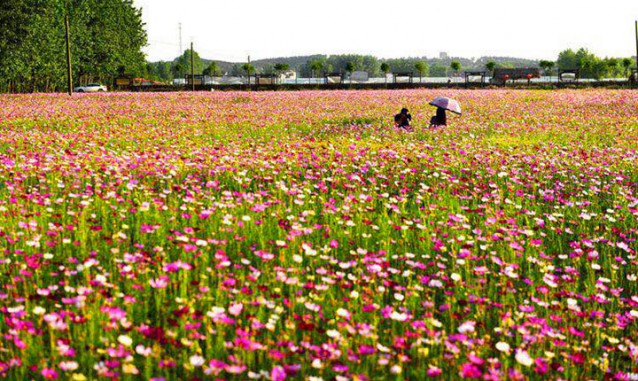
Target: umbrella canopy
x,y
448,104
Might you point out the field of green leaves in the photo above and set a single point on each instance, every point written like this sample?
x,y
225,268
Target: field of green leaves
x,y
300,235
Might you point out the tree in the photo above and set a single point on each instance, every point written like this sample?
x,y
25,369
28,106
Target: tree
x,y
385,68
185,62
456,66
626,64
438,70
164,71
612,66
249,69
422,68
212,70
490,66
281,67
106,35
178,70
567,60
350,67
316,66
547,67
599,68
588,64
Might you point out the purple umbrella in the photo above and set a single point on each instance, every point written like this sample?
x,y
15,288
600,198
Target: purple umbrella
x,y
447,104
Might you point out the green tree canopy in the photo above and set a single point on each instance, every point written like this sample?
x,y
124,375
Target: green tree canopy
x,y
248,68
281,67
184,62
212,69
107,37
422,68
490,66
546,66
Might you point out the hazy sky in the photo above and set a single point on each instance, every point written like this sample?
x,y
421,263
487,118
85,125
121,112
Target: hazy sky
x,y
230,30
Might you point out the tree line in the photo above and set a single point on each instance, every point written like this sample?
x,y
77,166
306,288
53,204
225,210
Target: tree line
x,y
589,66
107,37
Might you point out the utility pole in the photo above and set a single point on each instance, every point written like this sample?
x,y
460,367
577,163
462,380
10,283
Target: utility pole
x,y
637,50
68,57
181,51
192,66
248,71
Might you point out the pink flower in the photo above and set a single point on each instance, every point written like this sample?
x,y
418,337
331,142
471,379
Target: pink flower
x,y
160,282
434,371
541,366
49,374
470,370
277,374
235,309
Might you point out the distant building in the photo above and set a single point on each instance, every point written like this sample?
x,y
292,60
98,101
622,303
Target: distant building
x,y
288,75
359,76
443,56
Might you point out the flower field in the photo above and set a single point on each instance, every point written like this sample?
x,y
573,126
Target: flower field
x,y
299,235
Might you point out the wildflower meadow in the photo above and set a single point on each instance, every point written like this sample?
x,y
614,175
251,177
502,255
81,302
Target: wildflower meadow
x,y
300,236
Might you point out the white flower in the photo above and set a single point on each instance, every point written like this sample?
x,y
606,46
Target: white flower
x,y
503,347
523,358
68,365
197,361
466,327
343,313
125,340
455,277
398,316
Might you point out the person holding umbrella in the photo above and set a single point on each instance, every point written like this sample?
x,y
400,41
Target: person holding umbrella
x,y
442,104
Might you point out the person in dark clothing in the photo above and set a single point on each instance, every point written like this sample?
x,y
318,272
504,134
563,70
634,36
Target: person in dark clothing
x,y
402,119
440,119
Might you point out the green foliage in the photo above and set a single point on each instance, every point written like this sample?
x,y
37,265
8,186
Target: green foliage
x,y
248,68
546,66
626,64
490,66
213,69
455,65
338,63
385,68
316,66
438,70
591,66
422,68
280,67
106,36
183,62
350,67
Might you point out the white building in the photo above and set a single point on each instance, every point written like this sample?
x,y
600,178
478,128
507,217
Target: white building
x,y
288,75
